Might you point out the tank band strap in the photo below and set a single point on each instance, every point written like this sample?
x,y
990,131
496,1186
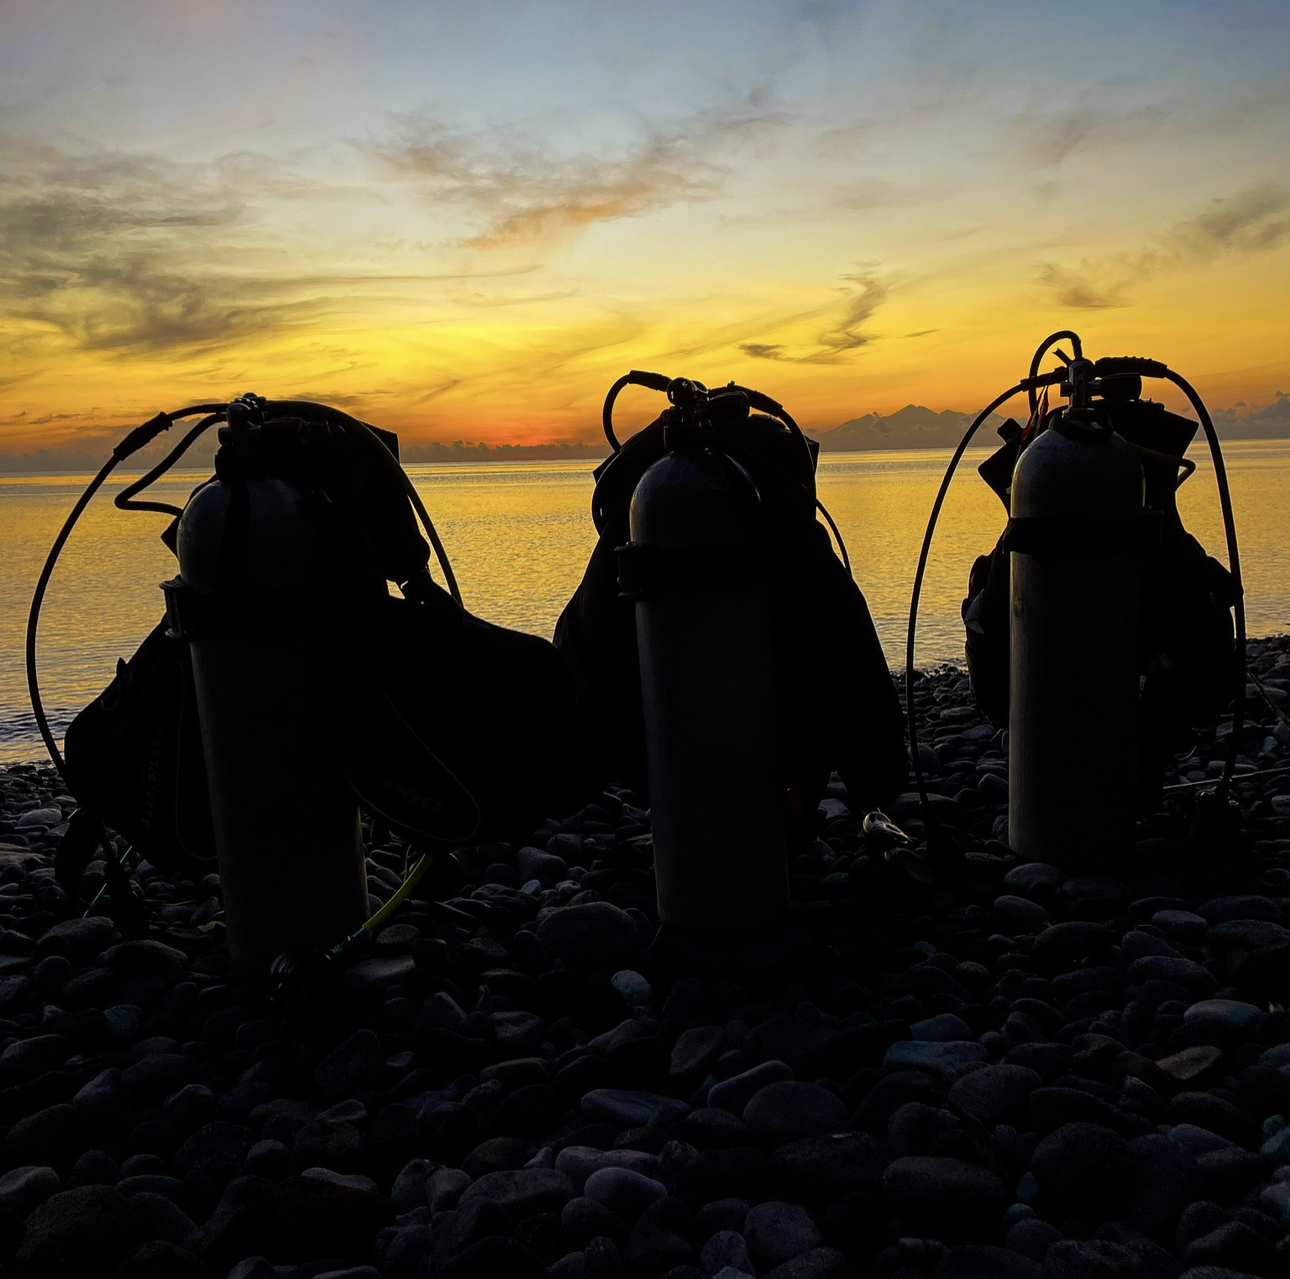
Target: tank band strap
x,y
646,571
194,615
1081,537
188,614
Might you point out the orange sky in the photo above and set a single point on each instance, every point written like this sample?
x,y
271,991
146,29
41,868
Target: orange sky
x,y
465,225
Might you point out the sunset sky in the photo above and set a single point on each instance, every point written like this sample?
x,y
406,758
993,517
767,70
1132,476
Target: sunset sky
x,y
464,220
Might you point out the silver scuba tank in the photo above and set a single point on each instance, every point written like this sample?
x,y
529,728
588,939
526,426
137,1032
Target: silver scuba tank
x,y
259,601
1074,536
703,633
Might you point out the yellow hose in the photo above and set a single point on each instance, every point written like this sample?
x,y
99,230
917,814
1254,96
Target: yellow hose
x,y
400,895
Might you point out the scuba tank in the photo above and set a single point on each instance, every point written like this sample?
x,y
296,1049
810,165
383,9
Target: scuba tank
x,y
264,598
1098,630
695,567
1074,535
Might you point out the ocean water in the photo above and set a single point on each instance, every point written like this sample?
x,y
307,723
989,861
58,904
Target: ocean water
x,y
519,536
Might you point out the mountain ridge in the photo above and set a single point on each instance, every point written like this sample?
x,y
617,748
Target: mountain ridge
x,y
917,427
913,427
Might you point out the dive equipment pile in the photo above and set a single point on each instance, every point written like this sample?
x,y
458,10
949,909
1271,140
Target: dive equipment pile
x,y
832,704
288,690
287,685
1098,630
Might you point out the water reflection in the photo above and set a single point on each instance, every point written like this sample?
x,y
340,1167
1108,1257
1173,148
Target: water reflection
x,y
519,536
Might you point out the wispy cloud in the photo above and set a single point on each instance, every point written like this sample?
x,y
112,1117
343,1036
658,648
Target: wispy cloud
x,y
1248,222
863,293
1103,121
1254,220
524,190
1078,289
829,204
1050,139
112,250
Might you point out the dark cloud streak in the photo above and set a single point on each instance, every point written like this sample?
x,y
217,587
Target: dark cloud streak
x,y
135,254
865,297
1251,221
864,293
1074,290
1050,137
112,250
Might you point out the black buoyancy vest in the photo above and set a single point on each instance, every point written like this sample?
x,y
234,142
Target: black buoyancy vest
x,y
453,728
836,707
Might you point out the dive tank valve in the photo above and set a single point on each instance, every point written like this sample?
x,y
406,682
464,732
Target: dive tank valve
x,y
1074,539
695,568
262,603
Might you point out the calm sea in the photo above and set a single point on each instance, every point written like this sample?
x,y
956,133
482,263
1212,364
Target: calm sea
x,y
519,537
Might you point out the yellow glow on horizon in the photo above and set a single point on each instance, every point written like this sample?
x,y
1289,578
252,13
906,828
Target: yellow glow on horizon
x,y
523,376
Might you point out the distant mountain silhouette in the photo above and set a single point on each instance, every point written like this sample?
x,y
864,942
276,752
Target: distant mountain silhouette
x,y
1271,422
912,427
916,427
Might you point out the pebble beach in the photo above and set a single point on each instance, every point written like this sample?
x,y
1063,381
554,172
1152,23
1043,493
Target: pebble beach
x,y
992,1071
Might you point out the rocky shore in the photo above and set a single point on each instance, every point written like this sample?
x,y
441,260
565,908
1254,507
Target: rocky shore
x,y
987,1070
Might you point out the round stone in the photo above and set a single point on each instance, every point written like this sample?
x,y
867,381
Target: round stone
x,y
941,1198
623,1191
631,986
724,1250
944,1028
916,1129
1025,878
1181,925
1021,912
583,1219
595,934
789,1110
1231,1015
1083,1167
995,1094
86,1231
777,1232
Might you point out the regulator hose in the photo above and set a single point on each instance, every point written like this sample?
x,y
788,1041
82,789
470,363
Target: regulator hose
x,y
637,377
296,976
123,500
132,443
1062,335
929,819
